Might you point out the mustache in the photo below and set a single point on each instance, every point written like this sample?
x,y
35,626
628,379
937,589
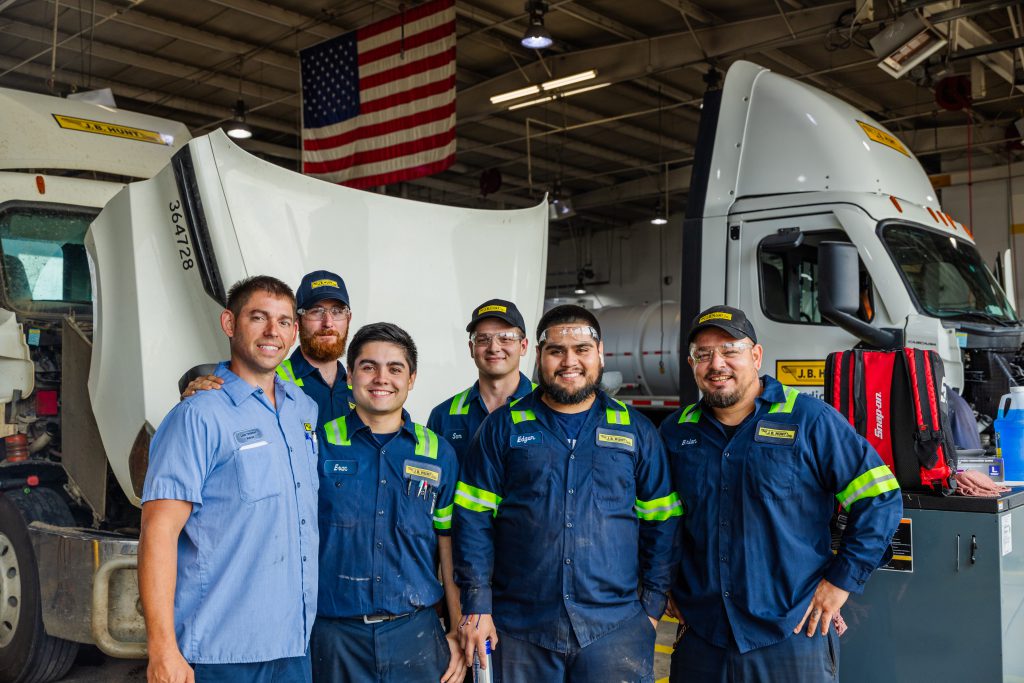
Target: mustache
x,y
721,375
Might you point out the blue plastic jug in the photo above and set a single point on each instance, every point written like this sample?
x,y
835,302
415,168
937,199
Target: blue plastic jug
x,y
1010,434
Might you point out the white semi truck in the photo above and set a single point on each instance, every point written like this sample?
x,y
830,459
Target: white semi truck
x,y
101,312
794,192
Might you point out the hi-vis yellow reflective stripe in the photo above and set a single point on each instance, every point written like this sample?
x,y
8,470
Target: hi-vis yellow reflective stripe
x,y
659,509
476,500
520,415
443,518
426,441
337,432
872,483
787,405
691,413
284,371
533,385
460,406
617,417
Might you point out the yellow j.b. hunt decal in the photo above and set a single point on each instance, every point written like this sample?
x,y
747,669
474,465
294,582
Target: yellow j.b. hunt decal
x,y
112,129
615,438
492,309
717,315
323,283
307,426
800,373
412,471
883,138
777,433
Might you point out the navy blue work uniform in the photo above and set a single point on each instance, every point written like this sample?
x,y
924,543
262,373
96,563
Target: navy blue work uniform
x,y
333,401
755,538
247,553
458,418
384,500
554,540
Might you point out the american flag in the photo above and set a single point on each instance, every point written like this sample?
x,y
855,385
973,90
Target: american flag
x,y
378,103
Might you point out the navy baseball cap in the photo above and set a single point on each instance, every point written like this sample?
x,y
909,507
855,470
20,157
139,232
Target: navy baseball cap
x,y
500,309
320,285
730,320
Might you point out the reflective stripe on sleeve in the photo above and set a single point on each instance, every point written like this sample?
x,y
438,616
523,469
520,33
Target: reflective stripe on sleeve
x,y
691,413
476,500
443,518
872,483
459,405
659,509
337,432
426,441
787,405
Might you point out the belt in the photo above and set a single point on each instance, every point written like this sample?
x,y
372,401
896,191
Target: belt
x,y
380,618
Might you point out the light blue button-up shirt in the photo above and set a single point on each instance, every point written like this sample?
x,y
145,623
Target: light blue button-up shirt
x,y
247,557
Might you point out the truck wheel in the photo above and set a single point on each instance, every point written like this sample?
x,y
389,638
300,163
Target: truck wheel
x,y
27,653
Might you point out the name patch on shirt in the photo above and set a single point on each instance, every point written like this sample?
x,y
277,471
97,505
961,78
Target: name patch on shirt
x,y
248,435
421,471
457,435
334,468
692,441
775,432
611,438
525,440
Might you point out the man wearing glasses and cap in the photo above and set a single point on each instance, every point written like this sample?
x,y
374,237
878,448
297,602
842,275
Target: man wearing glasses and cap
x,y
497,343
564,524
315,366
760,468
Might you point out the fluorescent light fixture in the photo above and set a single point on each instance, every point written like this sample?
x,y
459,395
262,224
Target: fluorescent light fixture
x,y
530,103
577,91
514,94
569,80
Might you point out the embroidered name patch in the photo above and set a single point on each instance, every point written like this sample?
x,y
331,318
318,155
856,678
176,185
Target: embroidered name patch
x,y
333,468
775,432
421,471
456,435
248,435
611,438
689,442
524,440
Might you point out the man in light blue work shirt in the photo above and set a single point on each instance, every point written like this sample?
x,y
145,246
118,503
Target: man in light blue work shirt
x,y
228,549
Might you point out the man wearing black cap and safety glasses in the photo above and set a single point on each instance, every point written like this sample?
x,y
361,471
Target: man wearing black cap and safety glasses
x,y
760,468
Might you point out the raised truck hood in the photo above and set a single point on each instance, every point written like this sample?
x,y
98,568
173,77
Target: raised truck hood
x,y
159,290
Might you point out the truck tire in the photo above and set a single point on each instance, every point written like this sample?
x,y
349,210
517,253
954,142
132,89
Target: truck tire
x,y
27,653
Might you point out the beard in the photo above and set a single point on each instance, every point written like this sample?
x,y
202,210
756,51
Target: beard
x,y
323,346
569,398
722,399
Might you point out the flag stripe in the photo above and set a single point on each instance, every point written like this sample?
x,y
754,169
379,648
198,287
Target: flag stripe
x,y
383,116
411,28
371,156
408,69
335,145
395,21
408,44
405,94
409,173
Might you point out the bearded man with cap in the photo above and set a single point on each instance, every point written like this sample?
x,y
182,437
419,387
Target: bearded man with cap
x,y
564,522
760,468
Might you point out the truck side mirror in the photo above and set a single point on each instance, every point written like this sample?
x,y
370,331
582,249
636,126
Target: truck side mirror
x,y
839,294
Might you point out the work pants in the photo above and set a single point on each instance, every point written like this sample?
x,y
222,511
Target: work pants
x,y
624,655
411,649
287,670
797,659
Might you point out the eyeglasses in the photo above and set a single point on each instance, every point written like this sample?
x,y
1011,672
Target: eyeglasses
x,y
577,333
728,351
484,340
319,312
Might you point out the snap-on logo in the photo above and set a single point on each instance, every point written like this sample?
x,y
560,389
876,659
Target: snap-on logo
x,y
879,419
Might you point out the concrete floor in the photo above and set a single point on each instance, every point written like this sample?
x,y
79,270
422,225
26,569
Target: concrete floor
x,y
92,667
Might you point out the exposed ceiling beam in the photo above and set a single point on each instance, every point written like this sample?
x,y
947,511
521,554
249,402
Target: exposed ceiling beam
x,y
589,16
692,10
569,143
649,186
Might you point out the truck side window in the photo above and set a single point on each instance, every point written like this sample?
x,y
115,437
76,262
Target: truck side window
x,y
789,282
44,260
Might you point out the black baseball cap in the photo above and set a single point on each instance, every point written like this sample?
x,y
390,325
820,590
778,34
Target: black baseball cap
x,y
320,285
730,320
500,309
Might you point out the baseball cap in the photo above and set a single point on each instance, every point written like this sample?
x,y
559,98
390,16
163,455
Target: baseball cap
x,y
500,309
731,320
319,285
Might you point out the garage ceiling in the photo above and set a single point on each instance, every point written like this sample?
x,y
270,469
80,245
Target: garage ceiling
x,y
613,150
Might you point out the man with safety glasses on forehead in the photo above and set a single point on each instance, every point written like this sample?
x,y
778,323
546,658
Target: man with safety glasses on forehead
x,y
564,522
760,468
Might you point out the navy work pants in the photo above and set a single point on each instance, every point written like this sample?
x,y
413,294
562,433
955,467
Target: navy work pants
x,y
287,670
412,649
797,659
624,655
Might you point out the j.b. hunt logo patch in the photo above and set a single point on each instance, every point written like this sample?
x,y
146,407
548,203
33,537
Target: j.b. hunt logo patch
x,y
613,438
775,432
421,471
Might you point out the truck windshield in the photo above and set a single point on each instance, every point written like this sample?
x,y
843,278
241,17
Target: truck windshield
x,y
946,275
44,261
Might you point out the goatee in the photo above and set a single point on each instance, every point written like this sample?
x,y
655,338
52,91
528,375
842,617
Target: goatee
x,y
569,398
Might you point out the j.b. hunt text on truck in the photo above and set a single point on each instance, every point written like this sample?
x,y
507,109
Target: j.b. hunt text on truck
x,y
100,313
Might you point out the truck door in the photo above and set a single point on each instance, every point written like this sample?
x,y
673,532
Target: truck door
x,y
777,286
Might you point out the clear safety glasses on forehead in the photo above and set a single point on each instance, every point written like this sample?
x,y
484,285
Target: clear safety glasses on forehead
x,y
728,351
577,333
